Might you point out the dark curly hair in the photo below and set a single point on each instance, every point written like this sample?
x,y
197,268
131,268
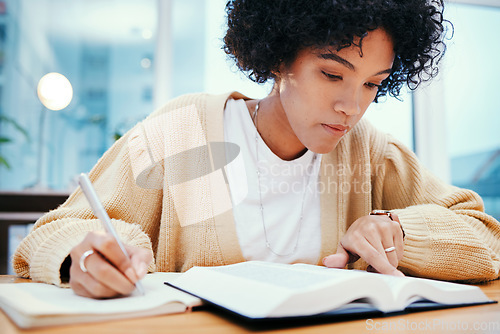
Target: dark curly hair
x,y
263,34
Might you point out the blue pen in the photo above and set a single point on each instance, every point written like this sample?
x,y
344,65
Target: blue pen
x,y
98,209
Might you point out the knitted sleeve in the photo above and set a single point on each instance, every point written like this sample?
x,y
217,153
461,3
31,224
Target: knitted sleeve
x,y
134,210
448,234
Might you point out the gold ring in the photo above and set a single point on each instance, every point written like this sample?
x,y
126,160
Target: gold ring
x,y
82,260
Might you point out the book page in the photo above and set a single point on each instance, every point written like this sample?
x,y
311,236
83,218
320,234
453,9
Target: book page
x,y
293,277
440,292
45,299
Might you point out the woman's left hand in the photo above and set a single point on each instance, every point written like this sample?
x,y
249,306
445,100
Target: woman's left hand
x,y
376,239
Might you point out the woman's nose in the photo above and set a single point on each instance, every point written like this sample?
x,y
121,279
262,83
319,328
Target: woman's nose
x,y
348,103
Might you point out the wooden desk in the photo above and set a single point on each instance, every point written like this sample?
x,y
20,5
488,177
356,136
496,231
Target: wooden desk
x,y
472,319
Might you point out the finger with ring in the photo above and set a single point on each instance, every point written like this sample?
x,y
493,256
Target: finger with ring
x,y
83,258
390,249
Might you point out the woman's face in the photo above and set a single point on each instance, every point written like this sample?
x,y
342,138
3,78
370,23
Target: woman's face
x,y
324,93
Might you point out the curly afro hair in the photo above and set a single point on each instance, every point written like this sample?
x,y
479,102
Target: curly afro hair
x,y
263,34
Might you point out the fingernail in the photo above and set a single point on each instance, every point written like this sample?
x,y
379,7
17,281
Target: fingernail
x,y
327,261
141,270
130,273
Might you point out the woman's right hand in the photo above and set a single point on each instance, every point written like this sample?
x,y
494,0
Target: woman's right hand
x,y
109,272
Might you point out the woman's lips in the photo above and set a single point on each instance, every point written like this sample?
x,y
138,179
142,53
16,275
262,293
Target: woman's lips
x,y
335,129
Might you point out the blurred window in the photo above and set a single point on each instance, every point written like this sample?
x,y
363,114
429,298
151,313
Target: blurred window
x,y
100,46
471,101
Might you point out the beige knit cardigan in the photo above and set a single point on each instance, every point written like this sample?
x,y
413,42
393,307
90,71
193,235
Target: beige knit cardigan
x,y
448,235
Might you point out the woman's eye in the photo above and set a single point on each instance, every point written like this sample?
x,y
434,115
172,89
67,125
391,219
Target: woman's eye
x,y
331,76
372,85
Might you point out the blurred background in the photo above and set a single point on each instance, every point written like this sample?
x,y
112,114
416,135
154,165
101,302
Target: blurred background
x,y
124,58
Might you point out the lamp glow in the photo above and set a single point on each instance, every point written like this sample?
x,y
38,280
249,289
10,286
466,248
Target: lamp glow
x,y
55,91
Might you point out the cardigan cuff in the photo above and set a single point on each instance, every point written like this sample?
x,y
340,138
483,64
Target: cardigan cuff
x,y
417,242
51,253
439,244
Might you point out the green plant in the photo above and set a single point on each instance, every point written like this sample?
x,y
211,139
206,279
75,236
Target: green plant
x,y
4,139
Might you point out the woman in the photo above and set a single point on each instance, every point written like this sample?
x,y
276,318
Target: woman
x,y
298,174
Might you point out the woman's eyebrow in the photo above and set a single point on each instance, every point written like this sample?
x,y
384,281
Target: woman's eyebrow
x,y
388,71
346,63
338,59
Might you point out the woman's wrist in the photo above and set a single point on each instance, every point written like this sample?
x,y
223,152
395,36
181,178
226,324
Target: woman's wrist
x,y
391,215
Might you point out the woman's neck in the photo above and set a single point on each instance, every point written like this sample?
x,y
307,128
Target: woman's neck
x,y
274,128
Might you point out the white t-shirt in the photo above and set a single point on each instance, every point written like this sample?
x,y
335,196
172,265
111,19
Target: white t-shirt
x,y
282,187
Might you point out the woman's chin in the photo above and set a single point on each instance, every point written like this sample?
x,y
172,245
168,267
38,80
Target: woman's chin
x,y
324,149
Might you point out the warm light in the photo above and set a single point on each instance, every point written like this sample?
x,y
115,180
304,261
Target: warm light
x,y
55,91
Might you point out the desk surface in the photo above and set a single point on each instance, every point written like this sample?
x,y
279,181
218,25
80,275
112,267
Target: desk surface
x,y
472,319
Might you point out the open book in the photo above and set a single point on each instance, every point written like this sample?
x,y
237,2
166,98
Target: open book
x,y
37,304
258,290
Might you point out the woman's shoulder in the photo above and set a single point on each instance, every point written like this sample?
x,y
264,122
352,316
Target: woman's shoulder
x,y
201,102
365,135
368,142
197,100
380,145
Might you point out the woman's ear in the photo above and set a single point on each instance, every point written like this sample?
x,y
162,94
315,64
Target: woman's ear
x,y
277,75
280,69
